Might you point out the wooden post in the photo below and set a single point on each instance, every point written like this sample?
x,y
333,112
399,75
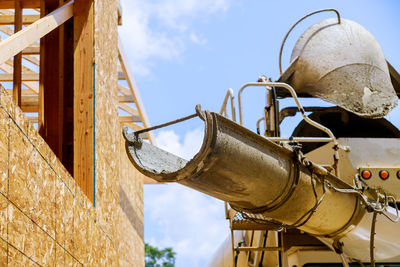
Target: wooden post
x,y
17,72
51,85
41,76
83,96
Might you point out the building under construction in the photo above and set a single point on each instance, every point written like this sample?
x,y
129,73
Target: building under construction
x,y
68,194
71,181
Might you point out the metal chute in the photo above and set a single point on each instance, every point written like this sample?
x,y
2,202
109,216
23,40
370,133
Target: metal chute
x,y
342,63
252,174
260,177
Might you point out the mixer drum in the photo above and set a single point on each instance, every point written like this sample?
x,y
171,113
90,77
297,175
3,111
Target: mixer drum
x,y
344,64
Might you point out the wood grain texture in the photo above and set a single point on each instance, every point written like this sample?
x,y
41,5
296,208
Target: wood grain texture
x,y
7,4
83,96
17,66
17,42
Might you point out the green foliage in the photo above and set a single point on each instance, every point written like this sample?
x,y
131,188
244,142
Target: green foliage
x,y
155,257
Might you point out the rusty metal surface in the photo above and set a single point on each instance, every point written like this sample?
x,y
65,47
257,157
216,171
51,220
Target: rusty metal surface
x,y
343,64
252,174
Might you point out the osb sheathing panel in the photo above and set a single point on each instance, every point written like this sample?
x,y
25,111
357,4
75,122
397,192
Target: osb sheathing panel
x,y
3,216
45,219
3,253
131,227
50,221
4,131
16,258
107,128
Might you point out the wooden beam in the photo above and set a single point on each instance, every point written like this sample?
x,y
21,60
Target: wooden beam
x,y
7,30
31,85
17,66
9,4
128,109
24,92
129,119
32,50
30,103
124,90
8,77
32,59
125,99
17,42
24,68
26,19
33,119
83,96
133,88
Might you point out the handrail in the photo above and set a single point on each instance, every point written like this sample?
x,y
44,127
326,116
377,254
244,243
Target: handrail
x,y
258,124
22,39
268,86
229,94
294,95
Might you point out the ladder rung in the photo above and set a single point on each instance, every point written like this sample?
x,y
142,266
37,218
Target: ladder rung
x,y
258,249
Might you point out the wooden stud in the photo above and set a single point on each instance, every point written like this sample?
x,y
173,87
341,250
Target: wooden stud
x,y
53,92
41,112
17,72
83,96
68,97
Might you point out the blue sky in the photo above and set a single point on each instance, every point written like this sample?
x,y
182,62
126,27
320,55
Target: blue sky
x,y
188,52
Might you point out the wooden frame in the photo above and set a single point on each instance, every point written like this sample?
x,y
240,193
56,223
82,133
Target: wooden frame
x,y
132,90
17,42
28,84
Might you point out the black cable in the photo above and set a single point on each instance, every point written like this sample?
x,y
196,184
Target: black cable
x,y
264,244
276,111
372,240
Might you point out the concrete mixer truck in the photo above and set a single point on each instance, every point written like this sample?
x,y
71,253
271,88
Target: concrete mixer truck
x,y
328,195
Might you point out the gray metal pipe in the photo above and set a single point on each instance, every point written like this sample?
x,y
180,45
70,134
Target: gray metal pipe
x,y
252,174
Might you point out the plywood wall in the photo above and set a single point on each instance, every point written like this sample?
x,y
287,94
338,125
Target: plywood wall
x,y
45,219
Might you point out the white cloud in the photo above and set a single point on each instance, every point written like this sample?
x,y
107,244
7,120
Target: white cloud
x,y
170,141
190,222
157,30
197,39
